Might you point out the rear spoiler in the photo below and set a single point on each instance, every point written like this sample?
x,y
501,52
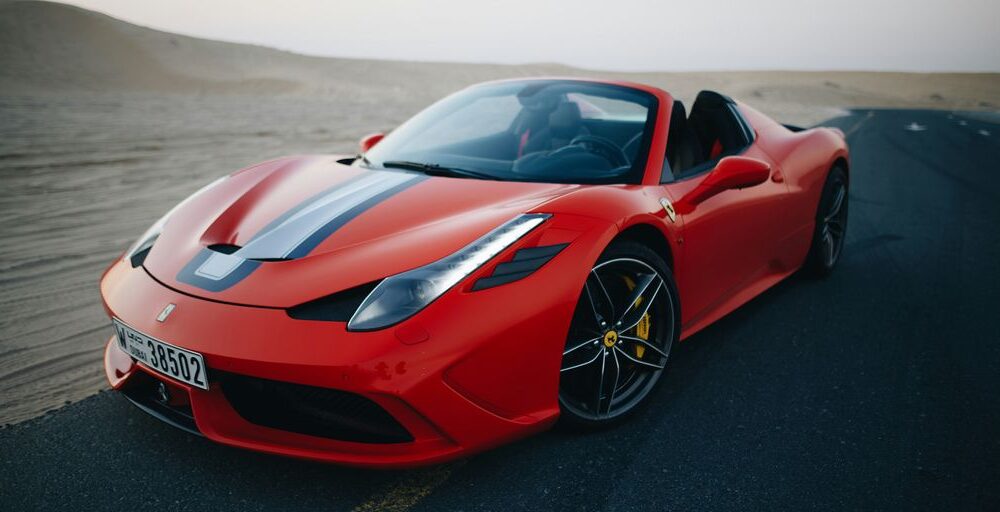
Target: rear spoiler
x,y
794,128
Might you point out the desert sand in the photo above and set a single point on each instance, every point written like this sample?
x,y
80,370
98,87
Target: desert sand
x,y
104,125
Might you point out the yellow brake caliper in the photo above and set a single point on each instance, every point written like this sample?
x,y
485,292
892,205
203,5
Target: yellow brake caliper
x,y
642,328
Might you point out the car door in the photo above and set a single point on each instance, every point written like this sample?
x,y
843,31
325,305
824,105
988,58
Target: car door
x,y
730,240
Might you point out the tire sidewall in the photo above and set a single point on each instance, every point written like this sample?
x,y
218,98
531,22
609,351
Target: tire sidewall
x,y
815,263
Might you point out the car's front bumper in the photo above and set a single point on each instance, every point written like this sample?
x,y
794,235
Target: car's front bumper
x,y
457,379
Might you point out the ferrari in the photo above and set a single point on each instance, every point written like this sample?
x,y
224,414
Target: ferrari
x,y
521,253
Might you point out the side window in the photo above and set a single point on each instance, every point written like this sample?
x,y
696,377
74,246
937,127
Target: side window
x,y
667,172
679,154
596,107
719,129
714,130
748,133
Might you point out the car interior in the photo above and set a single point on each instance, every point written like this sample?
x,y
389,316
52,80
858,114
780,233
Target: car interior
x,y
545,132
553,133
564,135
536,131
714,130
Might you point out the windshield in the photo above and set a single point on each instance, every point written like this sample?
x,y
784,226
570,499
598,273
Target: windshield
x,y
559,131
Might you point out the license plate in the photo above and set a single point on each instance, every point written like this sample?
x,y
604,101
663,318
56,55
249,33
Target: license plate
x,y
175,362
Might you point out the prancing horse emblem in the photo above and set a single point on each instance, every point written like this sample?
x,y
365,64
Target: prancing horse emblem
x,y
166,312
669,208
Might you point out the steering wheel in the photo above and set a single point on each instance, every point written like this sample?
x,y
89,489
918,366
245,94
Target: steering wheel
x,y
602,147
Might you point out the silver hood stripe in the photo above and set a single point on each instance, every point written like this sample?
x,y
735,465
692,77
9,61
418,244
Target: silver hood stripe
x,y
281,240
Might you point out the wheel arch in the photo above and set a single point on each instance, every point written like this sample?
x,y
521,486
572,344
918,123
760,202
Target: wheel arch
x,y
649,235
841,162
634,240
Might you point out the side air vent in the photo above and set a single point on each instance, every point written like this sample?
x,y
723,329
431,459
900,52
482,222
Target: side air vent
x,y
525,262
338,307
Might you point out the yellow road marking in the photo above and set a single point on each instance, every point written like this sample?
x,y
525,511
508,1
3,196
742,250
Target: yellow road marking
x,y
408,490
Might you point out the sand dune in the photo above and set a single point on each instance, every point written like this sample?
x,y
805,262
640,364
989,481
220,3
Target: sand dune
x,y
55,48
104,125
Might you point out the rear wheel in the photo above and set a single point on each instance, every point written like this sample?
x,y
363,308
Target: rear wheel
x,y
625,323
831,225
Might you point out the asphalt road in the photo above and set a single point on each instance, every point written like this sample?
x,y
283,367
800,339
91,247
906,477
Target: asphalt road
x,y
876,388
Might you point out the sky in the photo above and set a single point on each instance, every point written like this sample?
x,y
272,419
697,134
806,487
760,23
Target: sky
x,y
617,35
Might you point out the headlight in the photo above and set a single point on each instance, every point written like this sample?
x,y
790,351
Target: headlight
x,y
136,254
401,296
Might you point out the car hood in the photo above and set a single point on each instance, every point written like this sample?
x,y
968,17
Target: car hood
x,y
291,230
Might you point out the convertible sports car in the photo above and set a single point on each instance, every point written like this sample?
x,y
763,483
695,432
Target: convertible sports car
x,y
520,252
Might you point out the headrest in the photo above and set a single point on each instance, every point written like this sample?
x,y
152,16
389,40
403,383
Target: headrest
x,y
535,101
564,121
678,117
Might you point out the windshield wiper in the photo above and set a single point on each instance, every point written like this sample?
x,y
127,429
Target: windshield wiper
x,y
436,169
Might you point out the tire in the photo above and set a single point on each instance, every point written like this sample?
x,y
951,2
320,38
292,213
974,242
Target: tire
x,y
617,348
831,225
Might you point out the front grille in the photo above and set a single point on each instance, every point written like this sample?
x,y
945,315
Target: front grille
x,y
311,410
141,390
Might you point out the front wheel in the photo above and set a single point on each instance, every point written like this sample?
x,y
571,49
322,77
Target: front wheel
x,y
625,323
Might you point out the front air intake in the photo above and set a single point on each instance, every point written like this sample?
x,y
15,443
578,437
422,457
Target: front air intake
x,y
141,390
311,410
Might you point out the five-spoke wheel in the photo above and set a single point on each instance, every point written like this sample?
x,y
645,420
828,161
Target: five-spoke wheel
x,y
619,342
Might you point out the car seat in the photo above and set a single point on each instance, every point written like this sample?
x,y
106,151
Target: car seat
x,y
565,123
683,147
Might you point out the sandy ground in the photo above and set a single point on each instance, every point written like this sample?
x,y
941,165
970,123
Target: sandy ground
x,y
105,125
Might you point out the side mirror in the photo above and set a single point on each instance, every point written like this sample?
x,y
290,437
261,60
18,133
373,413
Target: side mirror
x,y
369,141
732,172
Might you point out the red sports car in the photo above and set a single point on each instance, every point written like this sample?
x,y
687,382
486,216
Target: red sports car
x,y
520,252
